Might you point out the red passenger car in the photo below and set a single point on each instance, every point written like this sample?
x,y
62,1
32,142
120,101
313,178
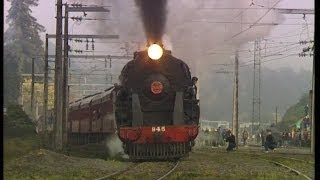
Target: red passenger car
x,y
91,119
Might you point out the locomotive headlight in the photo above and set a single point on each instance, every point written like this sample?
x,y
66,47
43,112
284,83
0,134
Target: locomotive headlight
x,y
155,52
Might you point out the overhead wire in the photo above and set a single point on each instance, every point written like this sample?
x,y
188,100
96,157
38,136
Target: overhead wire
x,y
276,53
294,54
251,23
251,50
269,9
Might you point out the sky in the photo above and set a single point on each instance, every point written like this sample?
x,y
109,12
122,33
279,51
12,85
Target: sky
x,y
45,14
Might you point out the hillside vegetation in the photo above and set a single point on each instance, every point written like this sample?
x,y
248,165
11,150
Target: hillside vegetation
x,y
295,112
19,134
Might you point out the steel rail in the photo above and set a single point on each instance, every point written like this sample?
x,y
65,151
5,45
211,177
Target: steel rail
x,y
277,163
291,169
117,172
169,172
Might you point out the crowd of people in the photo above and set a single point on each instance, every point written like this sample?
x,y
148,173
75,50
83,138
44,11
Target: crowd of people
x,y
268,139
295,137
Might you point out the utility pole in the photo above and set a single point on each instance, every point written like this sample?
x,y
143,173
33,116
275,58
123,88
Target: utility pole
x,y
312,94
32,89
235,122
58,79
311,104
62,94
65,96
276,115
45,86
21,92
256,101
312,108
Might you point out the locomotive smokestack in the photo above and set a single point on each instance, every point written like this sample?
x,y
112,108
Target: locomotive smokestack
x,y
154,16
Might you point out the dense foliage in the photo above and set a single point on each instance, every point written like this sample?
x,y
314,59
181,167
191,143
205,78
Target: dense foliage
x,y
16,122
295,112
21,43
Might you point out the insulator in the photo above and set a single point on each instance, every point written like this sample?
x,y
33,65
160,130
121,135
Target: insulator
x,y
87,46
303,42
92,47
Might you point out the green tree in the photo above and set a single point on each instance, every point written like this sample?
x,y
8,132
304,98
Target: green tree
x,y
11,72
295,112
21,43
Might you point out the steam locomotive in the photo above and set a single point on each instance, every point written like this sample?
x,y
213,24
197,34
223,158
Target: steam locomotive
x,y
154,111
157,113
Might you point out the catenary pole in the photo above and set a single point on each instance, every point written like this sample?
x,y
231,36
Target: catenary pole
x,y
58,78
235,99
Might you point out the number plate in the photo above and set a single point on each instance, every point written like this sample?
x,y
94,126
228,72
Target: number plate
x,y
158,129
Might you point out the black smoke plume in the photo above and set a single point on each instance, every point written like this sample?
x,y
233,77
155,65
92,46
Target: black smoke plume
x,y
153,14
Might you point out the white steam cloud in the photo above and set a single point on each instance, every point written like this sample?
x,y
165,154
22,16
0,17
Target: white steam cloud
x,y
114,146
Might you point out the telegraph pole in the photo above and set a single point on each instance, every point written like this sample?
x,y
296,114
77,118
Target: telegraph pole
x,y
32,89
235,99
276,115
311,116
45,86
312,108
58,79
65,81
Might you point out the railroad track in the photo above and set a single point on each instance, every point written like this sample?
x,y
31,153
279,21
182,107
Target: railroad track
x,y
117,173
169,172
131,168
295,159
283,165
287,167
263,157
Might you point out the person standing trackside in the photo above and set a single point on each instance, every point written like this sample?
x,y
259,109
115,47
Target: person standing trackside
x,y
263,136
245,136
232,141
194,86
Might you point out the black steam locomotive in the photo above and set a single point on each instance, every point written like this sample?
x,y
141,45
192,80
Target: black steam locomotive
x,y
157,112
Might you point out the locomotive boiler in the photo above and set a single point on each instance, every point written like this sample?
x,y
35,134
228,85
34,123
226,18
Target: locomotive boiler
x,y
156,108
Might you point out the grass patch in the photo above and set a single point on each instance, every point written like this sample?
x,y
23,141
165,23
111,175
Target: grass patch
x,y
16,147
44,164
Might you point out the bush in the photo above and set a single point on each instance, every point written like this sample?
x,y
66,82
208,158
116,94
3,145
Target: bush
x,y
17,123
